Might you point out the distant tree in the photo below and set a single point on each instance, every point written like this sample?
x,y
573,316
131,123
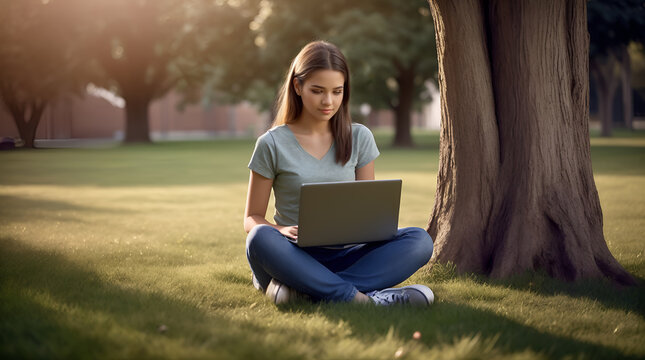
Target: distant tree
x,y
612,26
385,42
390,47
515,188
637,55
146,48
37,61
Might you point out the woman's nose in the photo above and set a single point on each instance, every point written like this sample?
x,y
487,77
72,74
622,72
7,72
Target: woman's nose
x,y
326,100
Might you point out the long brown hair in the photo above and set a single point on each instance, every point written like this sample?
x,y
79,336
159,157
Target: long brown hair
x,y
318,55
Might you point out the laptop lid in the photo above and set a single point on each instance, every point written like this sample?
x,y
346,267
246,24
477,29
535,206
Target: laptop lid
x,y
348,212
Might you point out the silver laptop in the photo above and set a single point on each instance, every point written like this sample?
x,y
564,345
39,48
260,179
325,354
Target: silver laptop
x,y
348,212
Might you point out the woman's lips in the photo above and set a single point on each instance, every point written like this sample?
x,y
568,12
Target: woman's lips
x,y
326,111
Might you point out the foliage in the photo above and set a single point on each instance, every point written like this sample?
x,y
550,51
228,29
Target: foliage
x,y
375,36
229,62
218,51
614,23
281,29
37,62
145,48
33,57
149,47
139,49
381,39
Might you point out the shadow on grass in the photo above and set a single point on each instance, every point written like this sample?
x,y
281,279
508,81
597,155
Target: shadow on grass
x,y
445,323
610,295
19,208
52,307
626,298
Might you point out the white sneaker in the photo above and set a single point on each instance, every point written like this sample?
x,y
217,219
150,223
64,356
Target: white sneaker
x,y
413,294
282,294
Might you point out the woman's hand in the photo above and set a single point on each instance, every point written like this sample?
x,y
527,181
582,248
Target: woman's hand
x,y
289,231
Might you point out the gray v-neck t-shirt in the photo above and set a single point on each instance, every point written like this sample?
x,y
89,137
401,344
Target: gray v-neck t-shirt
x,y
279,156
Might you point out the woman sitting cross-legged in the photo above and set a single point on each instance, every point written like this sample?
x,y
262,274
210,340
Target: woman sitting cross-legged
x,y
314,140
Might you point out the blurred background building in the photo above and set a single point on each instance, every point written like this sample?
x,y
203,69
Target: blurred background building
x,y
101,117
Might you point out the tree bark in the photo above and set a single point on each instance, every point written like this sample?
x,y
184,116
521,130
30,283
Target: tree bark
x,y
515,189
469,146
402,132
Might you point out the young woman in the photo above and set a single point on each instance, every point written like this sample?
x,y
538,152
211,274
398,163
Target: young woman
x,y
314,140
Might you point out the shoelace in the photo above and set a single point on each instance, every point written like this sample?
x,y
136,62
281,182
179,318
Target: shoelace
x,y
389,298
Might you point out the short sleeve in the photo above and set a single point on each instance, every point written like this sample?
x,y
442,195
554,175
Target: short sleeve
x,y
367,150
263,160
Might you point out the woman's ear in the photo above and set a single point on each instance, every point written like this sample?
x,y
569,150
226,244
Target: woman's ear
x,y
296,86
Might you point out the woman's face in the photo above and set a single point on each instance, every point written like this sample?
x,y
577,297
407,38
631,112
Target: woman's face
x,y
321,94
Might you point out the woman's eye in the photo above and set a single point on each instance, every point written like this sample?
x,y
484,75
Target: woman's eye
x,y
338,92
316,91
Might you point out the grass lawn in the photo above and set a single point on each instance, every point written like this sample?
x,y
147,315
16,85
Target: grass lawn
x,y
138,252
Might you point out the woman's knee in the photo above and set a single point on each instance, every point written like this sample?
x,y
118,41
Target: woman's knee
x,y
259,234
423,245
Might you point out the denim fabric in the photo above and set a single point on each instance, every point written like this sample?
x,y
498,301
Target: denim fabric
x,y
336,274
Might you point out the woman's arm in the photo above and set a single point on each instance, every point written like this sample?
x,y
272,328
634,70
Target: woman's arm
x,y
366,172
257,201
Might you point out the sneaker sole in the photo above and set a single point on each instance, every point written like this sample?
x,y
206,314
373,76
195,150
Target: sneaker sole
x,y
274,296
288,295
273,290
429,297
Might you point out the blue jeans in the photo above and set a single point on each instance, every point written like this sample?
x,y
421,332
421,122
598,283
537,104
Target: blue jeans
x,y
336,274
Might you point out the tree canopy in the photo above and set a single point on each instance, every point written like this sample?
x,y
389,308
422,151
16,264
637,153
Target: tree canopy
x,y
37,63
613,24
139,49
146,48
388,44
227,51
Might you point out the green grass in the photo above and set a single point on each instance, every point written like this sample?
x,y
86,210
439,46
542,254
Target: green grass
x,y
99,248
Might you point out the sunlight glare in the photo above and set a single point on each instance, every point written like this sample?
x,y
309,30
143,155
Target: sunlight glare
x,y
260,41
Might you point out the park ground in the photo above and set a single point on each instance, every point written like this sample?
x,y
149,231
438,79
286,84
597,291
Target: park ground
x,y
138,252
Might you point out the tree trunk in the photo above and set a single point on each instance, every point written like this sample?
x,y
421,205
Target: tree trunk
x,y
515,190
26,114
626,82
27,129
602,69
402,132
136,116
